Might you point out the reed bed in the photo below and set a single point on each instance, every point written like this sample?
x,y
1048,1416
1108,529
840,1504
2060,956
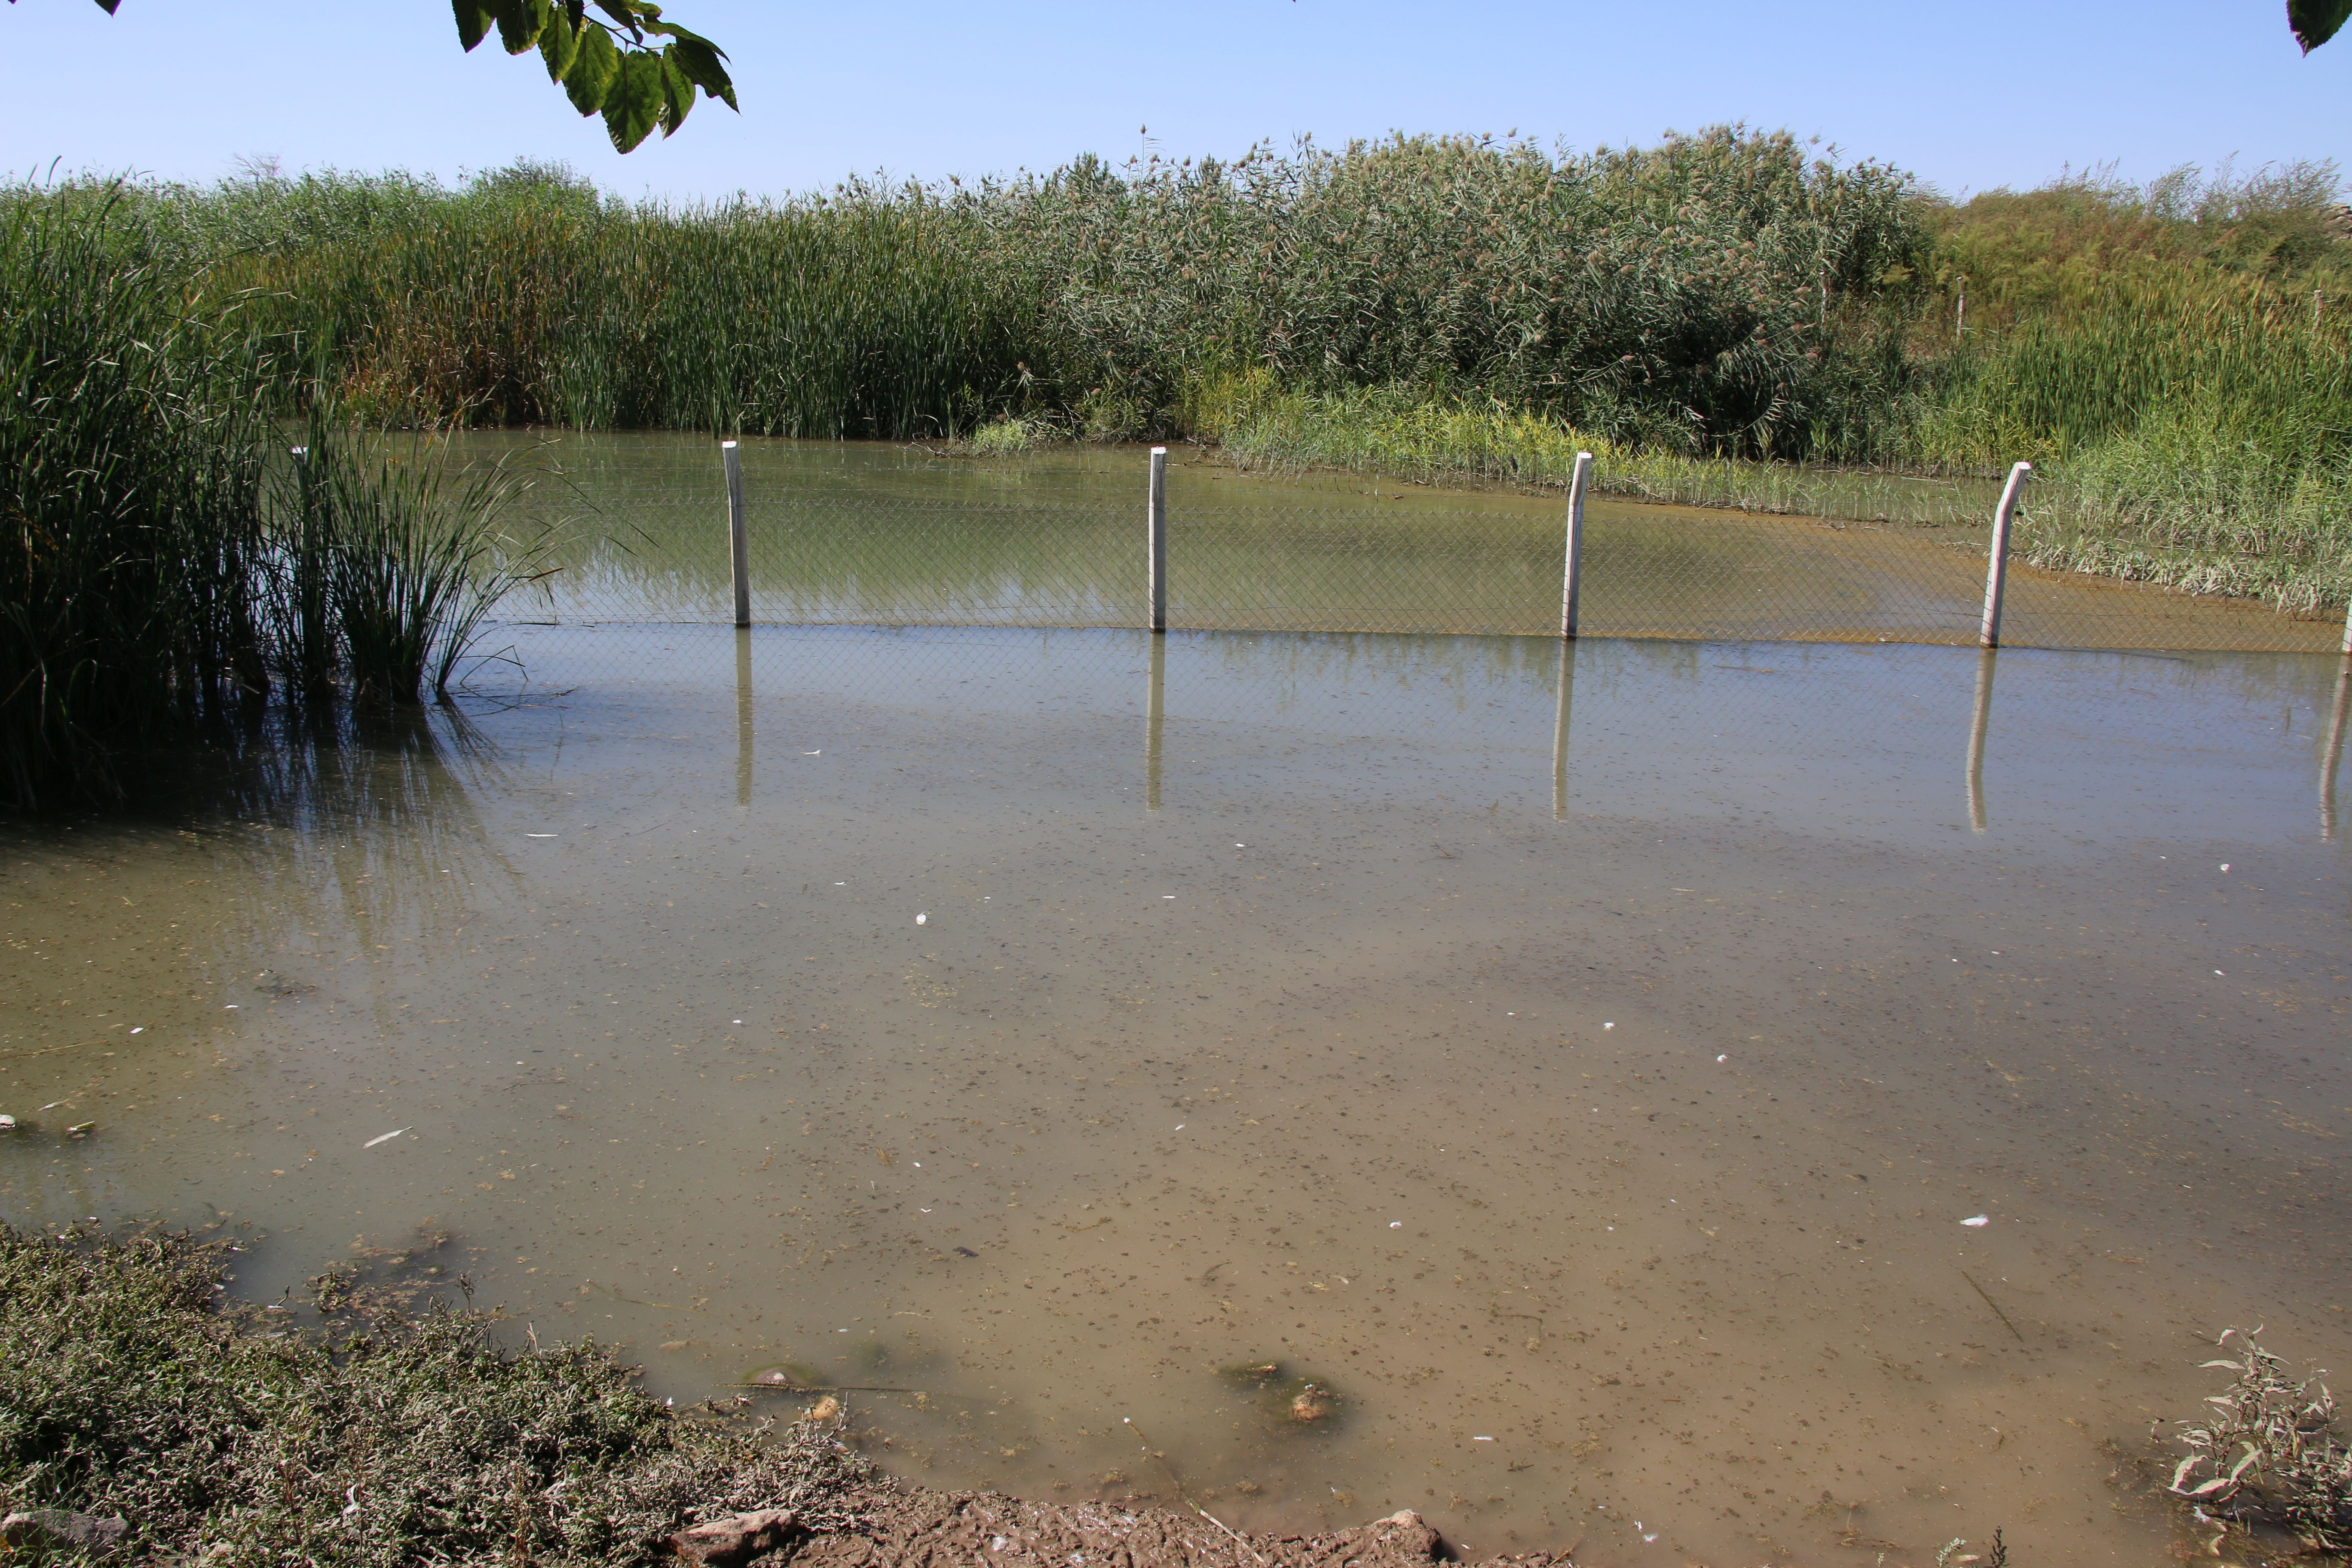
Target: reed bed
x,y
1730,319
167,573
1727,318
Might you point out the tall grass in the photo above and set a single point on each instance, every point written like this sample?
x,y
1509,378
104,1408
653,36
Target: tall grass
x,y
1714,293
403,556
131,539
158,581
1728,317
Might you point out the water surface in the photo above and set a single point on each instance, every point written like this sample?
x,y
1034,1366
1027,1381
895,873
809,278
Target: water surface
x,y
1586,1083
881,535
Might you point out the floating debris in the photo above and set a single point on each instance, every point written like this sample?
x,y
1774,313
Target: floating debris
x,y
1289,1400
384,1137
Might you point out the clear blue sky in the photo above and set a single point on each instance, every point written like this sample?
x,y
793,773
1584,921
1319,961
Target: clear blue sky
x,y
1968,96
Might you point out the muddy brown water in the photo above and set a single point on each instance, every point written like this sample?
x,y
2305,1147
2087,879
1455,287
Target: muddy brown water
x,y
1044,1025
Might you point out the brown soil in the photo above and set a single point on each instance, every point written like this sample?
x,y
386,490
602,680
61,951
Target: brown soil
x,y
917,1528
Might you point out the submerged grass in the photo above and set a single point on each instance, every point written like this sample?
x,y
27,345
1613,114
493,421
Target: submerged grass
x,y
2173,504
130,1388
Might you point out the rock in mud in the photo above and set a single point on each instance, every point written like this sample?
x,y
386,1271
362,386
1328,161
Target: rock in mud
x,y
727,1542
1311,1403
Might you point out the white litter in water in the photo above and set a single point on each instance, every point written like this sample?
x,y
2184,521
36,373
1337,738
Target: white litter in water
x,y
538,836
384,1137
1396,1224
2225,865
140,1030
1978,1222
1167,895
1723,1058
228,1007
1241,845
924,919
1482,1439
816,753
1608,1025
1180,1127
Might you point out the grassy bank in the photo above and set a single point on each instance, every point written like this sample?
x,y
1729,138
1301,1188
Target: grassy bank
x,y
363,1428
2173,504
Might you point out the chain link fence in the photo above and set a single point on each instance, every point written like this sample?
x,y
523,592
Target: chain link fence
x,y
901,538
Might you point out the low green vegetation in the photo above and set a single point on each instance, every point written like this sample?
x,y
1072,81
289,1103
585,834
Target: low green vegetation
x,y
359,1426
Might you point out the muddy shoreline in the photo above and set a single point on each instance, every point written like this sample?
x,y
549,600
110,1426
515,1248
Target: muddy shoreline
x,y
907,1524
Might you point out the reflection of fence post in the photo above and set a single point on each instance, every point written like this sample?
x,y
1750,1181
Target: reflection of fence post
x,y
1155,720
2333,754
743,716
1978,727
1559,733
1575,568
738,541
1156,542
1997,574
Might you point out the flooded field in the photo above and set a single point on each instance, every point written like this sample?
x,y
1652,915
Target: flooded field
x,y
877,534
1050,1028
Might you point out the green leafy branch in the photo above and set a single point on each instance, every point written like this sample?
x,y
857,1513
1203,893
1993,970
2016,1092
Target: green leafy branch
x,y
636,69
2316,21
627,64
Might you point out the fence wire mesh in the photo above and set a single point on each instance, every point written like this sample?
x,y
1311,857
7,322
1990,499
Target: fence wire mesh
x,y
895,537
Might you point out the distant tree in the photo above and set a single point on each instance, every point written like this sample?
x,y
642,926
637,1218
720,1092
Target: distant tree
x,y
2316,21
615,58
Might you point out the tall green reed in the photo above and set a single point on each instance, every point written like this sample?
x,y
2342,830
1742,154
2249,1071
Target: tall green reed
x,y
158,582
130,535
398,555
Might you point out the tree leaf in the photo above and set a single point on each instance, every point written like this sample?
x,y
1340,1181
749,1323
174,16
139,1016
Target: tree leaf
x,y
595,66
700,59
473,21
559,45
677,92
633,106
520,22
2316,21
625,14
